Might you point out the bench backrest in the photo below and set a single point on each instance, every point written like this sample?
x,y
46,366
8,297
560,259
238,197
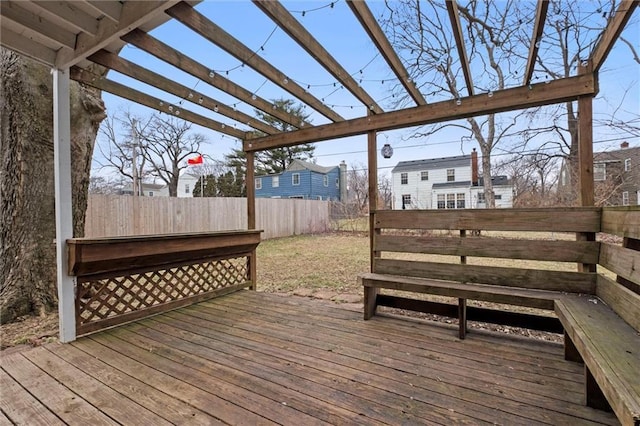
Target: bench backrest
x,y
623,293
414,232
445,245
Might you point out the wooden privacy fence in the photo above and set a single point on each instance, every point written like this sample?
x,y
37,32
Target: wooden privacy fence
x,y
122,215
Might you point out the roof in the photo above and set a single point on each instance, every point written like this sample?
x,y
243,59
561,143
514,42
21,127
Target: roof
x,y
616,155
302,165
432,164
497,181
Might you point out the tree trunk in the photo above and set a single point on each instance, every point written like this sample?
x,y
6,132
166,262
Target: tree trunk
x,y
27,201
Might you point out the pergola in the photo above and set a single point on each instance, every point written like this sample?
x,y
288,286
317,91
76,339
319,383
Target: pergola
x,y
69,36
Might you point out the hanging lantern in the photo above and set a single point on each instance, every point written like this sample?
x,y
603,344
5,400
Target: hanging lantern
x,y
387,151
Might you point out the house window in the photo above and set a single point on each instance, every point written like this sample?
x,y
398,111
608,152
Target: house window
x,y
320,197
451,175
186,188
497,197
404,178
481,197
441,204
451,201
297,197
627,164
150,193
460,201
406,200
258,183
600,171
275,181
295,179
337,183
625,198
424,175
325,180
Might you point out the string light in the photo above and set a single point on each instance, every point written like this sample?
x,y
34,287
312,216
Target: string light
x,y
304,12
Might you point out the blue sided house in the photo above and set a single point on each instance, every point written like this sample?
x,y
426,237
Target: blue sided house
x,y
305,180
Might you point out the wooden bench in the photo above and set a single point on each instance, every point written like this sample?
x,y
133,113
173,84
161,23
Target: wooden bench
x,y
583,300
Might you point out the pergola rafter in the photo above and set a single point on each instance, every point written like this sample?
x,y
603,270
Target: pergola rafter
x,y
612,32
297,32
171,56
538,29
152,102
454,17
123,66
377,36
188,16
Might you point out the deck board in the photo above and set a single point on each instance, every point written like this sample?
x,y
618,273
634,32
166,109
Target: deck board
x,y
258,358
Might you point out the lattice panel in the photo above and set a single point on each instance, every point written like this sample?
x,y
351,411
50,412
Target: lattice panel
x,y
109,297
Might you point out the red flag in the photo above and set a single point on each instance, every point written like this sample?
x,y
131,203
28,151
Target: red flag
x,y
194,161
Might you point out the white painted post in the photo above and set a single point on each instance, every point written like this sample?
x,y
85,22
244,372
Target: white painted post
x,y
64,209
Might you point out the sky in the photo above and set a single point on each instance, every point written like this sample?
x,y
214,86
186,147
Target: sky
x,y
340,33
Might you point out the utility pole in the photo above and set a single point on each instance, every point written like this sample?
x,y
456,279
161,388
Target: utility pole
x,y
134,160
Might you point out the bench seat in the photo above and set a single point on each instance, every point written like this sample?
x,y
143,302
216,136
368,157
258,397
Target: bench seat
x,y
610,350
541,299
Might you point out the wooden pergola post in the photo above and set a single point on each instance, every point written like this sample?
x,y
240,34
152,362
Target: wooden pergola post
x,y
64,207
251,214
585,158
372,154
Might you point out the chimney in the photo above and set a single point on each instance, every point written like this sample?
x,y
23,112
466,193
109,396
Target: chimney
x,y
343,182
624,145
474,168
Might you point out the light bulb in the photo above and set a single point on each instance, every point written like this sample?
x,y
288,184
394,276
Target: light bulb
x,y
254,97
170,107
215,108
212,74
490,93
200,100
458,102
286,80
177,112
190,95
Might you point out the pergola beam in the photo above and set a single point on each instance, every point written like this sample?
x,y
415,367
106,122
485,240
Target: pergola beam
x,y
84,76
110,9
155,47
134,14
123,66
538,29
188,16
282,17
612,32
504,100
377,36
12,11
26,47
76,18
454,17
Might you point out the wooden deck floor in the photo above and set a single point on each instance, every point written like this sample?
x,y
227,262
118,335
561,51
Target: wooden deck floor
x,y
254,358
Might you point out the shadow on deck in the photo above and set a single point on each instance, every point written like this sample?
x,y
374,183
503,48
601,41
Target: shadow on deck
x,y
258,358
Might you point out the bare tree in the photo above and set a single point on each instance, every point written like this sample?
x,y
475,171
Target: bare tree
x,y
422,31
162,146
534,178
571,31
167,143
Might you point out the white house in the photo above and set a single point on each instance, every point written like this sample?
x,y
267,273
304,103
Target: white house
x,y
186,184
445,183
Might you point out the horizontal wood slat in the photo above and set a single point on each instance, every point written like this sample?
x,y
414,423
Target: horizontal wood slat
x,y
548,220
99,255
507,295
559,251
623,301
575,282
622,261
492,316
621,221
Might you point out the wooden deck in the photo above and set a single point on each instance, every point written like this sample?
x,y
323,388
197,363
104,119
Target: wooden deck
x,y
255,358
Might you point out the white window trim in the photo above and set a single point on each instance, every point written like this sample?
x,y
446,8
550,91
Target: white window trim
x,y
275,181
258,183
625,198
293,179
325,180
627,164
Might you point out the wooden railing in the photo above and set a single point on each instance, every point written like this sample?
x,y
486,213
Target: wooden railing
x,y
126,278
